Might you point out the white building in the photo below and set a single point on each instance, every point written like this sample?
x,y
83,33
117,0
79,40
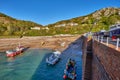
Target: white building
x,y
35,28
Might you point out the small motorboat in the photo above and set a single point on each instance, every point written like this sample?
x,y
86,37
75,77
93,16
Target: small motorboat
x,y
12,53
70,71
53,58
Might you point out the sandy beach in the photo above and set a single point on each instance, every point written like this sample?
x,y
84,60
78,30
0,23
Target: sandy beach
x,y
48,42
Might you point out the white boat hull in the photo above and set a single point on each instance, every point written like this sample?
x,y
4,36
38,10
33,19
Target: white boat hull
x,y
54,58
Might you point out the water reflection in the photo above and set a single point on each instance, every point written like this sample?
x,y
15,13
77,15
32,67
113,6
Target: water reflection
x,y
10,59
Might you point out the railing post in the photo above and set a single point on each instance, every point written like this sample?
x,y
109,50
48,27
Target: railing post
x,y
101,39
95,37
98,38
117,45
107,40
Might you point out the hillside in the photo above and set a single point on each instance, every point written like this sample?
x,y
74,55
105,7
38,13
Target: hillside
x,y
96,21
11,26
100,19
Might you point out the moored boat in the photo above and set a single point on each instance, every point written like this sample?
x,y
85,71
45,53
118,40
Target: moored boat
x,y
70,71
12,53
53,58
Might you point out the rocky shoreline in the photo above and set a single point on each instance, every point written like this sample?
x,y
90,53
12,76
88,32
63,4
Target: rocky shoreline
x,y
47,42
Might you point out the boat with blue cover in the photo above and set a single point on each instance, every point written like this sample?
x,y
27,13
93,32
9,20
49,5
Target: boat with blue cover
x,y
70,70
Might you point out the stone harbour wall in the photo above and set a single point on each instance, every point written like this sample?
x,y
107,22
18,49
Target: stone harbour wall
x,y
100,62
106,62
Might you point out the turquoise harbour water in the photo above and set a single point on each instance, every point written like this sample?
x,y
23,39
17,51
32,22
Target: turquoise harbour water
x,y
31,65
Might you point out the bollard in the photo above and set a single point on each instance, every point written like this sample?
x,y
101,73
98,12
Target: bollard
x,y
117,45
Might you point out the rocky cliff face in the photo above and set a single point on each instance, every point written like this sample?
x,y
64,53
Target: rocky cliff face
x,y
106,12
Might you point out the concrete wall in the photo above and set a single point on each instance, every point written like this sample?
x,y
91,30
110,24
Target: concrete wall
x,y
84,56
87,59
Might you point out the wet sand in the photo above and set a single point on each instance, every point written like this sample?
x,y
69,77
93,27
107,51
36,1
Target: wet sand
x,y
48,42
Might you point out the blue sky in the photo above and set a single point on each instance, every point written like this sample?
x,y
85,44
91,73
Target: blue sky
x,y
50,11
